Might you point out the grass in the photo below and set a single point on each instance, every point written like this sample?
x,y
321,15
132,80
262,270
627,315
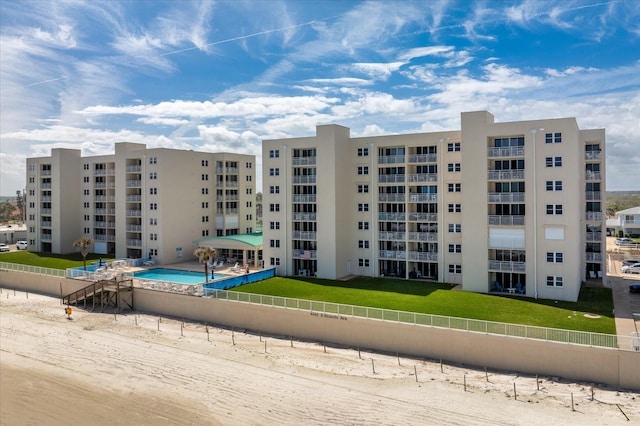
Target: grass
x,y
48,260
439,299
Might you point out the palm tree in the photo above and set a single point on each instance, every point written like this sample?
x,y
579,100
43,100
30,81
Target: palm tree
x,y
84,243
204,254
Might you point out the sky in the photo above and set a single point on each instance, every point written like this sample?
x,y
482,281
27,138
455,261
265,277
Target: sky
x,y
221,76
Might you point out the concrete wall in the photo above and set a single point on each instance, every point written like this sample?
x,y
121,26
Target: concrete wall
x,y
600,365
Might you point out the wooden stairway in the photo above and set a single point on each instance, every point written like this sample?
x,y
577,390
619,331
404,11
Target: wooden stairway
x,y
103,293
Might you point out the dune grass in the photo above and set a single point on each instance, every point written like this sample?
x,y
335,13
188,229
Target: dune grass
x,y
440,299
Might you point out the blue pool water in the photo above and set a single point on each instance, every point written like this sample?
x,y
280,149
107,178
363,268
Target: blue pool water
x,y
174,275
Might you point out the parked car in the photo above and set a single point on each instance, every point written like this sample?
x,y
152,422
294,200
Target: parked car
x,y
4,247
22,245
623,241
634,288
631,269
629,262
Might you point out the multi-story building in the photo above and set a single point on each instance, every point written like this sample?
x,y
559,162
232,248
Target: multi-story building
x,y
495,207
138,202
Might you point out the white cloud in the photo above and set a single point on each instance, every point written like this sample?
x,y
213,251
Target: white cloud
x,y
419,52
378,71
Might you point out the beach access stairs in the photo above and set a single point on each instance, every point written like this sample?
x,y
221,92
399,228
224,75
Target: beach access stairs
x,y
105,294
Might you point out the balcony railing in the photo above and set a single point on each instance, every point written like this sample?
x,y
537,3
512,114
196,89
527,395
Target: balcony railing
x,y
45,224
423,256
134,213
593,257
506,197
134,198
104,172
45,186
228,212
304,198
592,155
423,236
506,175
134,228
420,198
100,237
511,151
45,237
594,216
392,254
305,179
231,170
594,236
423,158
231,184
45,198
304,235
45,172
45,211
391,178
106,211
134,183
303,161
593,175
110,198
423,177
304,254
391,216
304,216
592,195
506,266
390,159
99,224
134,243
391,235
134,169
506,220
423,217
391,197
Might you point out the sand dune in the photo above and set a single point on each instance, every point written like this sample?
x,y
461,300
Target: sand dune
x,y
120,369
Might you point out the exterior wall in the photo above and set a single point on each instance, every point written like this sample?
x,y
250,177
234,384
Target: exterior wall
x,y
465,159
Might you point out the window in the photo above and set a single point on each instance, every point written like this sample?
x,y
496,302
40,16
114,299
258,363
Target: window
x,y
553,161
363,152
85,179
274,207
86,230
274,171
274,261
554,209
153,206
205,232
86,192
363,263
455,269
249,217
205,163
363,170
153,175
205,191
363,207
249,178
249,191
363,226
557,257
87,205
153,237
153,191
274,243
274,189
248,165
85,166
553,138
363,244
205,204
32,180
553,281
455,208
554,185
205,219
363,189
248,204
453,167
455,248
453,147
205,176
274,153
87,217
153,252
274,225
454,187
455,227
153,221
153,160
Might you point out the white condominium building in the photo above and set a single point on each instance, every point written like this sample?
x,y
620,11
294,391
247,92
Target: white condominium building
x,y
139,202
494,207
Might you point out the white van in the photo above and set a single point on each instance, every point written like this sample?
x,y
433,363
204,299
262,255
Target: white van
x,y
21,245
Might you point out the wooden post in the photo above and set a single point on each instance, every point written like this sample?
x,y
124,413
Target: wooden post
x,y
441,366
486,376
398,355
291,340
182,329
415,373
233,339
515,396
265,346
465,382
359,356
373,366
537,383
206,328
27,295
158,324
324,345
572,408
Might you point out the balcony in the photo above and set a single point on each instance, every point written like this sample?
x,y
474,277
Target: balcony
x,y
391,235
423,217
100,185
45,198
423,158
45,172
110,212
45,211
104,172
111,225
594,257
506,197
423,256
134,228
304,216
303,161
594,236
423,236
423,177
134,243
134,169
592,155
231,184
511,151
390,159
391,216
45,224
506,266
391,178
134,213
590,175
421,198
304,179
231,170
304,198
45,237
99,224
134,184
594,216
45,186
100,237
592,195
391,197
506,175
134,198
506,220
304,254
304,235
229,212
392,254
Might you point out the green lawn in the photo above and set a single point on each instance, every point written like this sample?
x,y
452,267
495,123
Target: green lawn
x,y
48,260
439,299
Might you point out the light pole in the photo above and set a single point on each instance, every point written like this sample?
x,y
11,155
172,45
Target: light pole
x,y
534,131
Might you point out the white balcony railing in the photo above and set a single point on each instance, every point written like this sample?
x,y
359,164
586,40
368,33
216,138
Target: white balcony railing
x,y
391,216
423,217
392,254
391,178
420,198
592,155
506,220
423,177
506,266
390,159
304,216
304,235
593,257
506,174
391,235
593,175
391,197
423,158
506,197
304,198
511,151
304,179
594,216
303,161
422,256
423,236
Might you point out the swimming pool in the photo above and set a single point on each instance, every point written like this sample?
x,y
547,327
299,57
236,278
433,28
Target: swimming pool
x,y
174,275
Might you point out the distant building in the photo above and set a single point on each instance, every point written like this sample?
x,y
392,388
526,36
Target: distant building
x,y
138,202
626,221
495,207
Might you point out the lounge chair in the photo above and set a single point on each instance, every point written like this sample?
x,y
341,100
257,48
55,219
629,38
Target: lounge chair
x,y
236,267
592,274
519,288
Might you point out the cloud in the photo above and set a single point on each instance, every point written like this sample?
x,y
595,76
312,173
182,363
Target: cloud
x,y
419,52
377,71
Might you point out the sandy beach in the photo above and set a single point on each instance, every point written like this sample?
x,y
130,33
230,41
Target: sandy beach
x,y
137,369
